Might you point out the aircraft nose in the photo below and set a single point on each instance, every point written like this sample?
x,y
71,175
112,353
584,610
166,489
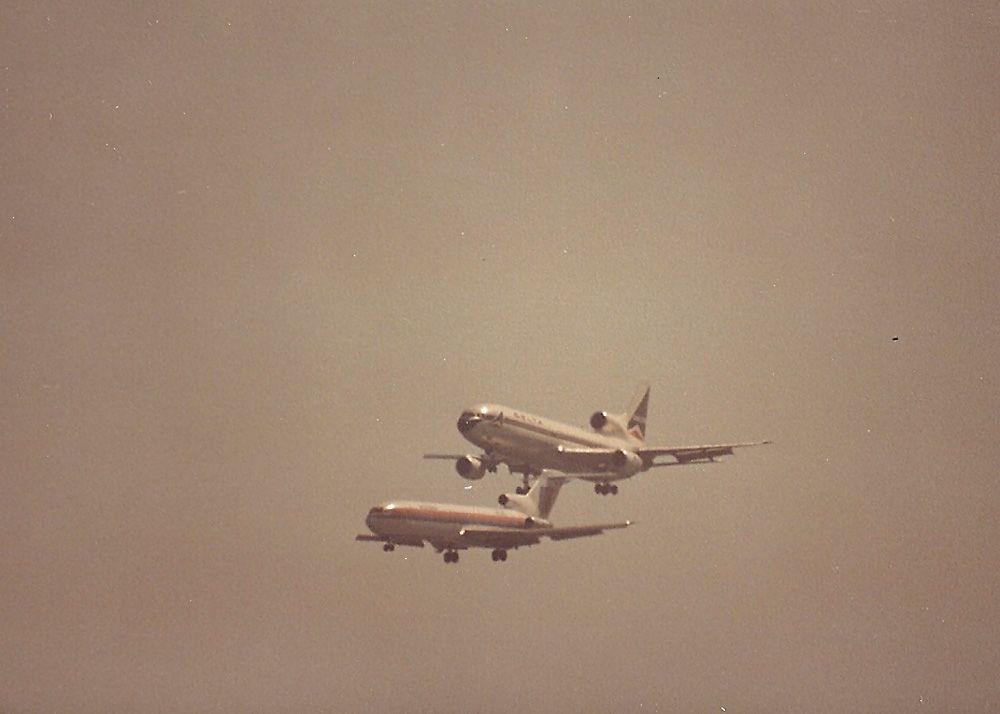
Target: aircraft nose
x,y
467,421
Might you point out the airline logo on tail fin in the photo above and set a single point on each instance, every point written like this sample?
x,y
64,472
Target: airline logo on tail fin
x,y
637,412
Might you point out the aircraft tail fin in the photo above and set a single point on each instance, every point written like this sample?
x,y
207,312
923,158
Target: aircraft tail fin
x,y
636,412
539,500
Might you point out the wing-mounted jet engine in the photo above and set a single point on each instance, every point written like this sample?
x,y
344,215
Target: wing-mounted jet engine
x,y
471,467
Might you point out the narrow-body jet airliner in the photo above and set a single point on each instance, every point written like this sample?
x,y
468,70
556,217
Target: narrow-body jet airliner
x,y
614,449
448,528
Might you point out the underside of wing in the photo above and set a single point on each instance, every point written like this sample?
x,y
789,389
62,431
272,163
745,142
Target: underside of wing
x,y
582,531
692,454
593,459
415,542
488,537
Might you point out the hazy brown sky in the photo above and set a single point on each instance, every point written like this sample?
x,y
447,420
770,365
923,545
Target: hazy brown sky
x,y
255,258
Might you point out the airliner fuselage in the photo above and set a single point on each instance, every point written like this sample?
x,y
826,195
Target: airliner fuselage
x,y
615,448
530,443
440,523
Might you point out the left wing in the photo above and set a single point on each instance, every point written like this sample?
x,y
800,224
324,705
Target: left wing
x,y
516,537
690,454
416,542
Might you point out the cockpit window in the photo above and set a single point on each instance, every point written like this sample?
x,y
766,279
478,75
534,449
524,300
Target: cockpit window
x,y
468,420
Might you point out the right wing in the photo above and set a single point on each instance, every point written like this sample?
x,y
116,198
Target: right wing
x,y
690,454
583,531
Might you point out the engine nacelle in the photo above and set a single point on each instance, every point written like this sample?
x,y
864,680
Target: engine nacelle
x,y
610,424
626,462
470,467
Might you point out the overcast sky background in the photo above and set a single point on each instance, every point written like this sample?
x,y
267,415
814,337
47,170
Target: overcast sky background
x,y
255,258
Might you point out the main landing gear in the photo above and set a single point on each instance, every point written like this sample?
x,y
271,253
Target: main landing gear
x,y
499,554
389,547
526,476
605,488
451,556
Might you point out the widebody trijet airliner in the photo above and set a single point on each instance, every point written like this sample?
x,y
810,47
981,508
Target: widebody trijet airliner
x,y
614,449
448,528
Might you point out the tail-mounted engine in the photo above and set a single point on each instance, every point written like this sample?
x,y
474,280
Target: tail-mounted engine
x,y
604,423
516,502
470,467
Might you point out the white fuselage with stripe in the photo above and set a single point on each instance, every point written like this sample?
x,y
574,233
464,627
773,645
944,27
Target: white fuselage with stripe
x,y
441,523
517,437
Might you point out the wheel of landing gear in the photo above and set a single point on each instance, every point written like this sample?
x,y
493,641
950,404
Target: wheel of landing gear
x,y
599,489
388,547
614,490
502,554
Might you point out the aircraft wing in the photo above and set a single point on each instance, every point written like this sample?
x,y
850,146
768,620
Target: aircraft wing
x,y
691,454
516,537
592,459
488,537
582,531
416,542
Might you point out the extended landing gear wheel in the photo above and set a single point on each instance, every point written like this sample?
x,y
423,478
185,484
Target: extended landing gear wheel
x,y
614,489
521,490
605,488
450,556
499,554
389,547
